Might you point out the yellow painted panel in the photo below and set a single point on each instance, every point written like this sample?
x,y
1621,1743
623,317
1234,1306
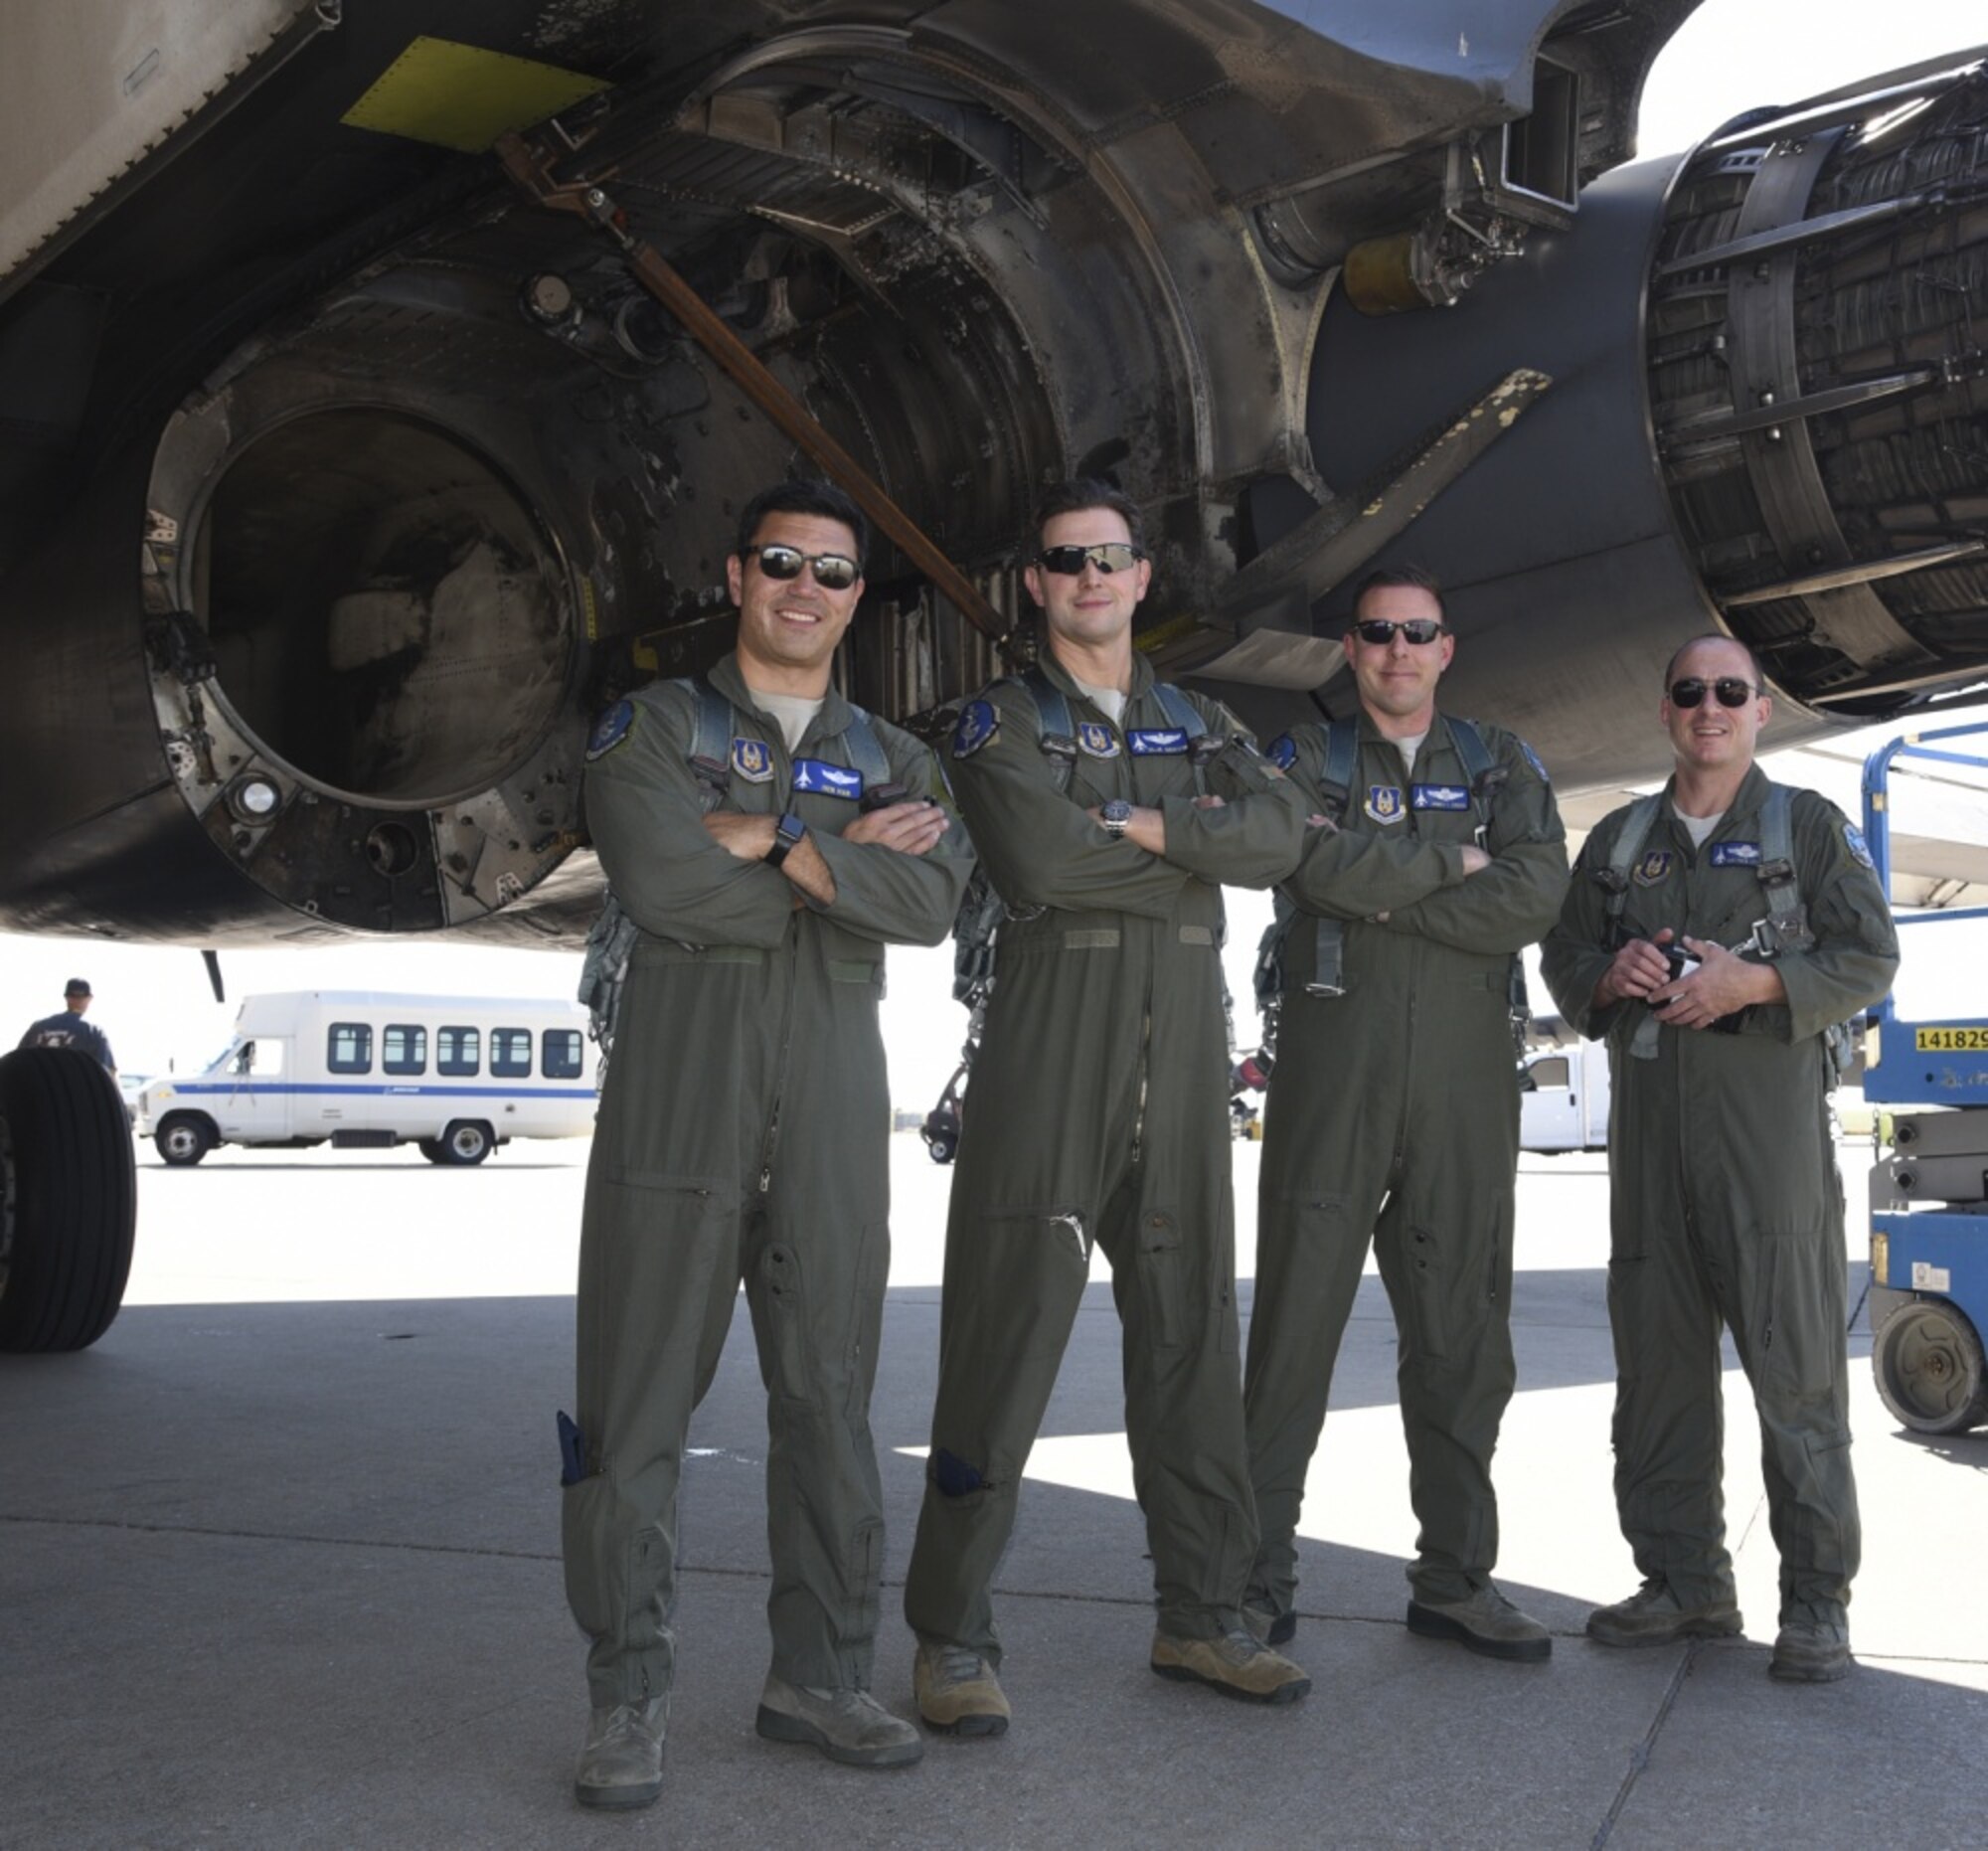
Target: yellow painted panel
x,y
462,96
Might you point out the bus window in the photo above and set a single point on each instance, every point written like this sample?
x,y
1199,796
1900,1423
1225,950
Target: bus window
x,y
349,1048
403,1049
510,1053
559,1054
456,1052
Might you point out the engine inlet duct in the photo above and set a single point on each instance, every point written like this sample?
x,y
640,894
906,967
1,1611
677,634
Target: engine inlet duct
x,y
1818,378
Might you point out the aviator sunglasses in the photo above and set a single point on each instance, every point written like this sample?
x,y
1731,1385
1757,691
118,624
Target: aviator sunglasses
x,y
1730,689
1107,556
832,572
1378,630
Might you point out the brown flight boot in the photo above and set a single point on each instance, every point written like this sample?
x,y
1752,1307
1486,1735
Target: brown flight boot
x,y
1654,1615
1235,1664
621,1764
957,1691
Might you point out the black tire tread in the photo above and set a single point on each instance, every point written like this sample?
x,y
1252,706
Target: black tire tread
x,y
75,1181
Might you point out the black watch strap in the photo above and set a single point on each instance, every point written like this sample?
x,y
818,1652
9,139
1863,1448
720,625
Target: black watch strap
x,y
788,834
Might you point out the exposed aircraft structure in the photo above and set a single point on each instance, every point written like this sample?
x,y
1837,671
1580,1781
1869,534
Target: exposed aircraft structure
x,y
345,478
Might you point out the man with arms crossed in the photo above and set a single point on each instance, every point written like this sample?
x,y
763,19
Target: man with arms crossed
x,y
742,1135
1108,811
1724,1203
1393,1113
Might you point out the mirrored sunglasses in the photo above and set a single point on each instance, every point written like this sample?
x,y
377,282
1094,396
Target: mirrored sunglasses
x,y
1729,690
1108,557
832,572
1378,630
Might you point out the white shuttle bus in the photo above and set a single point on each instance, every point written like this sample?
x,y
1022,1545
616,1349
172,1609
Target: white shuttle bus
x,y
453,1075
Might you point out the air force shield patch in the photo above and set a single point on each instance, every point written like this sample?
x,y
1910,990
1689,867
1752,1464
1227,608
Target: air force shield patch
x,y
752,760
1099,740
1384,803
1653,867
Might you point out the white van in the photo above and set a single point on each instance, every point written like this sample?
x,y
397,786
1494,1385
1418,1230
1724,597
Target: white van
x,y
453,1075
1565,1104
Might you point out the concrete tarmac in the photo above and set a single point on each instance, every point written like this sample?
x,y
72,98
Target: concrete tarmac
x,y
279,1567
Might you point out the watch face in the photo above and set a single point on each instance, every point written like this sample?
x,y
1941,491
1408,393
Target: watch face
x,y
1118,811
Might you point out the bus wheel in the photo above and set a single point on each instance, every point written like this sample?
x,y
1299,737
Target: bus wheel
x,y
184,1138
468,1141
430,1148
68,1200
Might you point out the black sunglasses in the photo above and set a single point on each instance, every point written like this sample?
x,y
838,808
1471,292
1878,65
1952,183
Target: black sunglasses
x,y
1108,556
1731,690
1378,631
832,572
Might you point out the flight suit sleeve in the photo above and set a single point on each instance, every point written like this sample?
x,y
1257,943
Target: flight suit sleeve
x,y
1254,837
1571,955
1344,874
1855,950
1516,899
1040,847
884,893
671,878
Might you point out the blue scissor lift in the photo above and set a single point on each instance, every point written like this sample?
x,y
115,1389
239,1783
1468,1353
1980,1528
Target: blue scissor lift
x,y
1928,1301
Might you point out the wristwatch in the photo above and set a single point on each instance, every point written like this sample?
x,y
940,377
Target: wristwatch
x,y
1116,816
788,834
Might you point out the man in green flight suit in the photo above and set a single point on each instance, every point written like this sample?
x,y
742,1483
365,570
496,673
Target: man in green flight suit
x,y
743,1135
1392,1110
1107,809
1725,1205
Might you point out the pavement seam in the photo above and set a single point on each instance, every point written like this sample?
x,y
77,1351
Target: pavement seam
x,y
1640,1757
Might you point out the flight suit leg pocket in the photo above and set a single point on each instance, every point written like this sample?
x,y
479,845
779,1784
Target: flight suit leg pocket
x,y
1016,1276
1798,1317
780,1310
866,1316
1164,1284
1431,1282
609,1559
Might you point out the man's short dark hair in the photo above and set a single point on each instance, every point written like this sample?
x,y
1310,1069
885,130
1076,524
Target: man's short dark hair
x,y
1755,672
1080,495
1418,577
803,497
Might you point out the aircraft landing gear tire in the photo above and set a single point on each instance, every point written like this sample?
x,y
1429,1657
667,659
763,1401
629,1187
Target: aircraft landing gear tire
x,y
183,1139
68,1200
1929,1366
468,1141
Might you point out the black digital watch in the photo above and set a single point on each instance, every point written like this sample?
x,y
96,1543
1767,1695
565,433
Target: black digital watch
x,y
788,834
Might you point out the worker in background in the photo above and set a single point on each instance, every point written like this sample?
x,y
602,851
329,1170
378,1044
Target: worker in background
x,y
68,1029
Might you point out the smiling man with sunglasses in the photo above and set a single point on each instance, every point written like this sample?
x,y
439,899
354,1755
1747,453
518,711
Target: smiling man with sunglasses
x,y
1392,1117
767,840
1713,935
1109,810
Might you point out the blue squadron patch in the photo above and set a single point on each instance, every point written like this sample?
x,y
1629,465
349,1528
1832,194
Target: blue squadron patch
x,y
828,781
610,729
1440,796
1157,742
1281,751
978,724
1099,740
1853,840
1653,867
1533,759
1735,854
1384,803
752,760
